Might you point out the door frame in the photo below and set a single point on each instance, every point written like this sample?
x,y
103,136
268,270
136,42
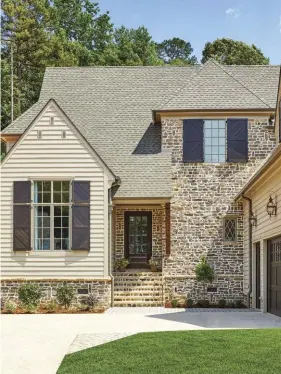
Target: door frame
x,y
269,241
258,275
127,214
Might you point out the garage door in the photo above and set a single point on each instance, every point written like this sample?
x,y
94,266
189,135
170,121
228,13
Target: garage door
x,y
274,276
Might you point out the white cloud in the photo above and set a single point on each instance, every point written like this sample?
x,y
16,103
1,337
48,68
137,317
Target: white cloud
x,y
233,12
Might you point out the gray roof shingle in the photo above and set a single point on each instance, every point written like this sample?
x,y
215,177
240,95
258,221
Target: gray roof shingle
x,y
227,87
111,107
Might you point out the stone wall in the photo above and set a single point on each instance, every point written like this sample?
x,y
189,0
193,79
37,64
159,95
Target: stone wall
x,y
203,195
101,288
158,230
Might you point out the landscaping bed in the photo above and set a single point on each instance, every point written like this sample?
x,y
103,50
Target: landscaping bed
x,y
58,310
182,352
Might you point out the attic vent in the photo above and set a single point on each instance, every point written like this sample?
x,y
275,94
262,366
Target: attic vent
x,y
63,134
52,120
39,134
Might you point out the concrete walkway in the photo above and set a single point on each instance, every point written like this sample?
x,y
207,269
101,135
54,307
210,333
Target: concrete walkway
x,y
33,344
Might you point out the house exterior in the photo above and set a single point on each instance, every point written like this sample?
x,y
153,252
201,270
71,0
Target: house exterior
x,y
135,162
262,228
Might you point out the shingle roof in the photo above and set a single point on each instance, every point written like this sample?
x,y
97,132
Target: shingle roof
x,y
111,107
227,87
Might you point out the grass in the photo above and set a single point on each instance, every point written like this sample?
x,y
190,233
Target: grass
x,y
184,352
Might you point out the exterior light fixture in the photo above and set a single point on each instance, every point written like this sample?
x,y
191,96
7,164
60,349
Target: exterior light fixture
x,y
271,207
253,220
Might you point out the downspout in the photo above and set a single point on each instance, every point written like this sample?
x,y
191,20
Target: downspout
x,y
250,249
110,209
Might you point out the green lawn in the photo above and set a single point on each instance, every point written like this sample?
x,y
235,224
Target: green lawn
x,y
185,352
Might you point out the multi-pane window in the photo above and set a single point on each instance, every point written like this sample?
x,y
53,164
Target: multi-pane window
x,y
230,229
51,203
214,141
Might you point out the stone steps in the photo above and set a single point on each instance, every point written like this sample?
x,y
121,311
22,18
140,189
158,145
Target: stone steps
x,y
137,303
138,289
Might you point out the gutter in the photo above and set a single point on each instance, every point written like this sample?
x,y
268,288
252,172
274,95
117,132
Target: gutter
x,y
250,251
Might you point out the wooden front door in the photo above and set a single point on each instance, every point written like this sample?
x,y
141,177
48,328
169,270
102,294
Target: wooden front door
x,y
274,276
138,238
258,276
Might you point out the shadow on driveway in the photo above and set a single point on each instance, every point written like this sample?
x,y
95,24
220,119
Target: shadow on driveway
x,y
223,320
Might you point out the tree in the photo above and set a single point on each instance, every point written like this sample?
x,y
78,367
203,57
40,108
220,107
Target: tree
x,y
204,273
131,47
232,52
42,33
82,22
176,51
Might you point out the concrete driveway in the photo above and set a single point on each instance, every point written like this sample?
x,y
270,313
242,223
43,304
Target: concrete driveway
x,y
33,344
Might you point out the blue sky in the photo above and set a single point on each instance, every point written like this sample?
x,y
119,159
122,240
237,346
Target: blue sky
x,y
252,21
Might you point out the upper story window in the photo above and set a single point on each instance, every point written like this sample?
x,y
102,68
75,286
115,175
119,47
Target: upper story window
x,y
51,203
214,141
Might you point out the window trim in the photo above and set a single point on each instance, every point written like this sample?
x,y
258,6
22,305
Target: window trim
x,y
52,204
230,217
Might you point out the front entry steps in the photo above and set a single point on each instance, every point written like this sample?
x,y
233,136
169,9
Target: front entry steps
x,y
138,289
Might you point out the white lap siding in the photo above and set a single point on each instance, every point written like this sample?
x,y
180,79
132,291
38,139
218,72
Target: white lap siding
x,y
53,157
267,228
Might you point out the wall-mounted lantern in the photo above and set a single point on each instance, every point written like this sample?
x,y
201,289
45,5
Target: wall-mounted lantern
x,y
253,220
271,207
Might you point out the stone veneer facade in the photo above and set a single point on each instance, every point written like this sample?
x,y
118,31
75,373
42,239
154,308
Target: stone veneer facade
x,y
101,288
202,196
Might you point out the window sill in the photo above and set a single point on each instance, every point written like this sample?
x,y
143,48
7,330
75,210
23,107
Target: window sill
x,y
68,253
231,243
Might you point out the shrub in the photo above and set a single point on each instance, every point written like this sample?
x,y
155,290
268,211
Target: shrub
x,y
51,306
204,273
203,303
230,304
189,303
121,263
30,294
65,295
91,301
222,303
239,304
10,306
174,303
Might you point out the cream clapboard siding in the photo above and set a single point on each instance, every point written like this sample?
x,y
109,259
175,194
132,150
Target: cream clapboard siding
x,y
53,157
269,183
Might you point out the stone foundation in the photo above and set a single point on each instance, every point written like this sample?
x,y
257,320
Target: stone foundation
x,y
228,288
101,288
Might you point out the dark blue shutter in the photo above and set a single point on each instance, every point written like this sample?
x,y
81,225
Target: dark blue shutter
x,y
193,140
81,215
22,216
237,139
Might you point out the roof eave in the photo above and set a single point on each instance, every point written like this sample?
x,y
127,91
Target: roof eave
x,y
274,155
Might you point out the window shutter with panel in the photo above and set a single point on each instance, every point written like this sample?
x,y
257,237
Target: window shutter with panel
x,y
81,215
22,216
237,139
193,140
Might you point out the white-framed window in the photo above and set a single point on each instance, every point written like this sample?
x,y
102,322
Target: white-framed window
x,y
215,140
51,215
230,229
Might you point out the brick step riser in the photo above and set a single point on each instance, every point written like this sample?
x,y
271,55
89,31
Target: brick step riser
x,y
140,293
142,304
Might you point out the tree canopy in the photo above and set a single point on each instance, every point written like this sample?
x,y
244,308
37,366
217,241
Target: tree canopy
x,y
176,51
45,33
232,52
